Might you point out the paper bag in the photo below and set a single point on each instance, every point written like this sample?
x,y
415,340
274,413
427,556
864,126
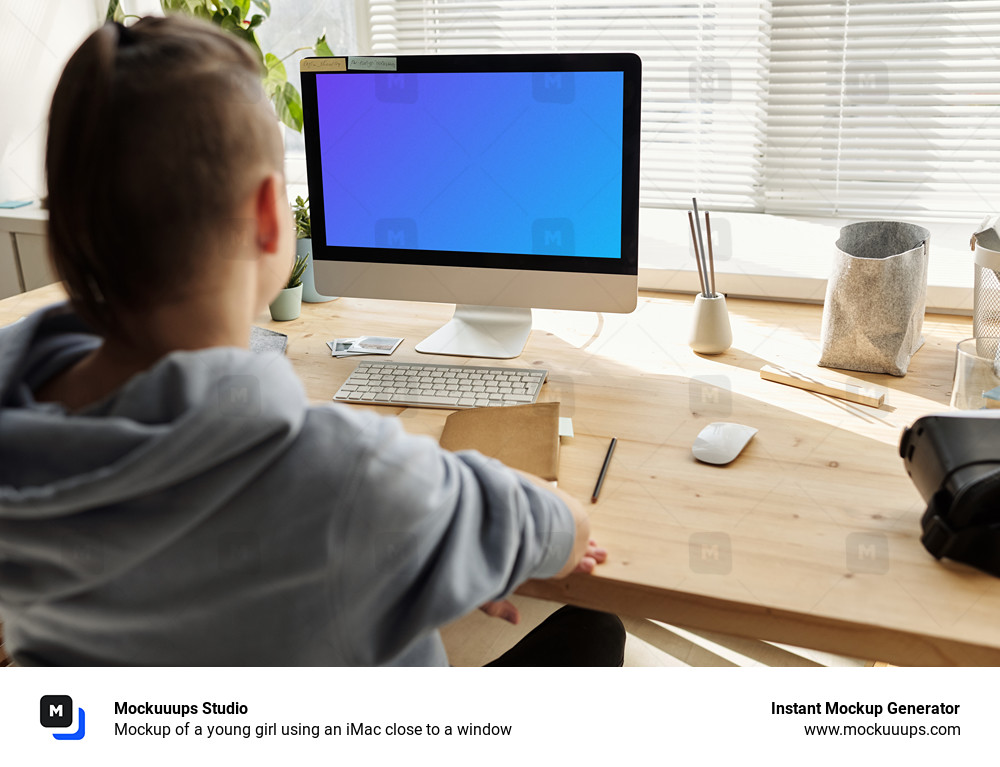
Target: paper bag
x,y
874,308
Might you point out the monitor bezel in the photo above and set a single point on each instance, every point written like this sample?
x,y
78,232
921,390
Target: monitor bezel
x,y
628,63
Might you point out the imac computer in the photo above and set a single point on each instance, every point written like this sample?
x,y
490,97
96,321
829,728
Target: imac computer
x,y
495,182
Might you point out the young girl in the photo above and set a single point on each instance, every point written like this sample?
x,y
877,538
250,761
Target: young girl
x,y
167,497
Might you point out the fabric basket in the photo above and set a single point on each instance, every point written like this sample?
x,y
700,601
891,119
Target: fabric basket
x,y
874,308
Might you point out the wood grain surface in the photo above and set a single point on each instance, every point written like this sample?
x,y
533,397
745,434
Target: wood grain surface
x,y
810,537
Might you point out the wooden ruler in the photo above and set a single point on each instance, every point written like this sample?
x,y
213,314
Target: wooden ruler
x,y
853,392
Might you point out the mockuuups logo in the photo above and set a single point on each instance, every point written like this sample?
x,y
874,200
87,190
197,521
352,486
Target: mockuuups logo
x,y
57,711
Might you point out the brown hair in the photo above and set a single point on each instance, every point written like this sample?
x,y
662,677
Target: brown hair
x,y
153,133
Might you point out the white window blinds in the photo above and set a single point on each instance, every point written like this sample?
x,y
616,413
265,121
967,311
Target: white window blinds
x,y
884,109
851,108
704,75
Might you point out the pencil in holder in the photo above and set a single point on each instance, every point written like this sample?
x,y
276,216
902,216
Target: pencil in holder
x,y
711,332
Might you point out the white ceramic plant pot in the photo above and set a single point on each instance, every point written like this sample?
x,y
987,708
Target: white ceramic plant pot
x,y
287,305
710,331
310,295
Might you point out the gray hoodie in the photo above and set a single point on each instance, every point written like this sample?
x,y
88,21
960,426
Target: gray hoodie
x,y
206,514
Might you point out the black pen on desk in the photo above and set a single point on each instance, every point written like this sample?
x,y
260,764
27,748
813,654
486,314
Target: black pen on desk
x,y
604,469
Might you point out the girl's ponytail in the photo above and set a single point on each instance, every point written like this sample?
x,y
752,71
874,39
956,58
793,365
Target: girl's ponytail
x,y
78,150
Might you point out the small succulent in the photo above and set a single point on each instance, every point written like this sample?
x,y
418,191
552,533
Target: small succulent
x,y
303,225
298,269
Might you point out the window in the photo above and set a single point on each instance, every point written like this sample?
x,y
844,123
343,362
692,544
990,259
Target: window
x,y
704,75
854,108
884,108
296,24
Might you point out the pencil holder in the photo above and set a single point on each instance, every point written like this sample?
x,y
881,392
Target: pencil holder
x,y
710,332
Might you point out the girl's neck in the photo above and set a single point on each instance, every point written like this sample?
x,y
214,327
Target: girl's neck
x,y
215,320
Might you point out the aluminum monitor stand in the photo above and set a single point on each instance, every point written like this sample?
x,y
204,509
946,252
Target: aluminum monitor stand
x,y
499,332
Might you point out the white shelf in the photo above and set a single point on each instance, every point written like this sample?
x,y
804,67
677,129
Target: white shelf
x,y
757,255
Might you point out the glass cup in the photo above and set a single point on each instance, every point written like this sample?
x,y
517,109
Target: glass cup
x,y
977,374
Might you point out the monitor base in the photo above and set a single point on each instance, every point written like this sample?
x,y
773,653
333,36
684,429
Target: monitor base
x,y
498,332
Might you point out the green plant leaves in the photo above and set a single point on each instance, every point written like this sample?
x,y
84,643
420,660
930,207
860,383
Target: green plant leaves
x,y
298,269
202,8
303,225
274,74
115,12
233,17
288,105
322,48
286,99
232,22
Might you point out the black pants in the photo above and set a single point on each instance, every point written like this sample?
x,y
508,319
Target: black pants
x,y
571,636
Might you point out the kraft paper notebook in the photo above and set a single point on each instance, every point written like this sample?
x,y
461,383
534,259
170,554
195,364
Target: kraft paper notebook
x,y
524,437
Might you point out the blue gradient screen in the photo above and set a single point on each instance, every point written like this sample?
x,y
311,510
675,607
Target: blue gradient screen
x,y
487,162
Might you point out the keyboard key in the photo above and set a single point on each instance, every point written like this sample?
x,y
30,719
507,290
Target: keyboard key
x,y
427,399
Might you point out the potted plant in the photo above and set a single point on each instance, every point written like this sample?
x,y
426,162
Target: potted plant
x,y
303,247
288,303
236,17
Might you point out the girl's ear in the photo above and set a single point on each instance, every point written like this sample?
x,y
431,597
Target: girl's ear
x,y
272,214
275,241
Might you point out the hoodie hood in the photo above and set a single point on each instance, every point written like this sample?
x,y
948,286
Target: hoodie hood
x,y
219,411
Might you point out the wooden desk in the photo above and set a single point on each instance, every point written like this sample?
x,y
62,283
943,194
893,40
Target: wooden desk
x,y
815,527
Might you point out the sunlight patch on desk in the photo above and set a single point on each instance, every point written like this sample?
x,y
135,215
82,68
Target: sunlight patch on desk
x,y
625,337
573,328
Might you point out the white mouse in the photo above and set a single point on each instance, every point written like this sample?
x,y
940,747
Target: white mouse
x,y
721,442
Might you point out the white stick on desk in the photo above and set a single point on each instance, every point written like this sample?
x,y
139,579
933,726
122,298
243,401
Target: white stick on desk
x,y
863,395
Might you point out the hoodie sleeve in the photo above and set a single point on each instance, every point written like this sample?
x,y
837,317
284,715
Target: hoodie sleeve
x,y
427,535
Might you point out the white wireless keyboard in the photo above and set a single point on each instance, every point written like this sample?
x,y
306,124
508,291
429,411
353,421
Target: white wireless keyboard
x,y
409,384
